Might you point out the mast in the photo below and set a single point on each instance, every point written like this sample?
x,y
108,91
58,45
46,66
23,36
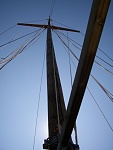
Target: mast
x,y
56,105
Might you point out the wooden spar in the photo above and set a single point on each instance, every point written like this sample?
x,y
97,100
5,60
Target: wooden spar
x,y
45,26
94,30
56,106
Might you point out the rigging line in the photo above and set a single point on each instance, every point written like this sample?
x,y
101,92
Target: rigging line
x,y
21,46
70,56
52,7
99,63
7,29
110,95
98,106
104,61
75,126
102,51
96,102
110,72
69,62
17,53
66,45
35,21
61,24
81,46
100,110
35,40
106,91
18,38
11,40
105,54
38,102
71,41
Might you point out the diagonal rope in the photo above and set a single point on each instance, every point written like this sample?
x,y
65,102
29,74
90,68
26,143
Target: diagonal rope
x,y
15,39
100,110
75,126
110,95
19,50
34,139
7,29
52,7
105,90
71,40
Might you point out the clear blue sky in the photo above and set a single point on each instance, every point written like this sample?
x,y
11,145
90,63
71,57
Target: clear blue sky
x,y
20,79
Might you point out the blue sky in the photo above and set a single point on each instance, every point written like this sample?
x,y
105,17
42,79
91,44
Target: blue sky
x,y
20,79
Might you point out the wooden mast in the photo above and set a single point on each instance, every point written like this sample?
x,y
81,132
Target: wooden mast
x,y
56,105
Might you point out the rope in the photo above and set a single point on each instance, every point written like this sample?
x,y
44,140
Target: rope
x,y
104,61
7,29
101,51
110,72
19,50
110,95
38,103
18,38
100,109
75,126
66,45
71,40
52,7
35,21
105,54
61,24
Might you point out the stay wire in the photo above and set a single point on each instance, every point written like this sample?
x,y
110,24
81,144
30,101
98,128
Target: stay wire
x,y
71,40
102,51
105,90
52,7
18,38
61,24
7,29
70,68
96,101
66,45
100,109
19,50
36,122
110,72
110,95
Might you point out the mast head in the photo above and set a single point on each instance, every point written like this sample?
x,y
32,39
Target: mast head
x,y
49,20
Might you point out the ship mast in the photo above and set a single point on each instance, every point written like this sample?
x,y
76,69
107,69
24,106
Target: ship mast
x,y
60,121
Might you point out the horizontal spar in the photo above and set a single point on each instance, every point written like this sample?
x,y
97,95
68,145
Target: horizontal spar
x,y
33,25
45,26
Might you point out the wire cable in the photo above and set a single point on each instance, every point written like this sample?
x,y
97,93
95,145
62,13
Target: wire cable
x,y
7,29
71,40
52,7
36,122
70,68
13,40
19,50
100,109
110,95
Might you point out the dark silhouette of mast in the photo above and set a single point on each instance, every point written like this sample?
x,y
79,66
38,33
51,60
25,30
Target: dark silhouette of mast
x,y
56,105
60,121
